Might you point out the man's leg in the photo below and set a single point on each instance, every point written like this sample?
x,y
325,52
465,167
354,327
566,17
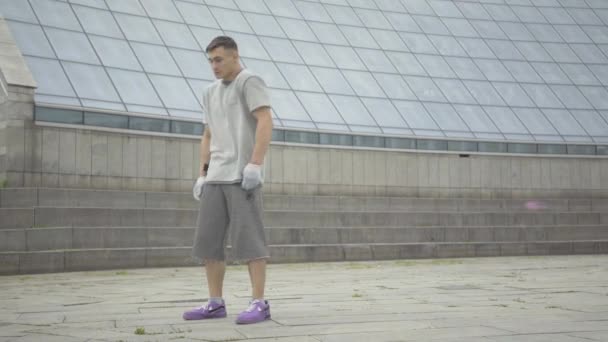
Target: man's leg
x,y
257,275
215,270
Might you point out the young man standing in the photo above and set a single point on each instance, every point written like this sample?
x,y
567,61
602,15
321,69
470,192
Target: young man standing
x,y
238,130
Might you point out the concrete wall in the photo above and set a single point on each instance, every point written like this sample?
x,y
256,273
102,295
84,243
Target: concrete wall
x,y
80,158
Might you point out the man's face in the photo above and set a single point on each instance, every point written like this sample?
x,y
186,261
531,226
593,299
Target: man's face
x,y
223,61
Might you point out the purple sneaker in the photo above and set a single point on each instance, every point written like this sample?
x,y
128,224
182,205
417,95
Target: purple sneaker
x,y
257,311
211,310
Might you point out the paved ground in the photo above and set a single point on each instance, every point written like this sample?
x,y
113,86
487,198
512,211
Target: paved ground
x,y
532,299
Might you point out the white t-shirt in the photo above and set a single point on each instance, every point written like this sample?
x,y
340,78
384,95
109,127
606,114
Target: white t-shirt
x,y
229,116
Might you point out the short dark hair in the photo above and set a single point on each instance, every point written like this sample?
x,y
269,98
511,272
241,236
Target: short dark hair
x,y
221,41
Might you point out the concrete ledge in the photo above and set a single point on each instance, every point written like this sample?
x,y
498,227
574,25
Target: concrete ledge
x,y
84,260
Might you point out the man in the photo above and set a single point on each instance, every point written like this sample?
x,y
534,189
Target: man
x,y
238,130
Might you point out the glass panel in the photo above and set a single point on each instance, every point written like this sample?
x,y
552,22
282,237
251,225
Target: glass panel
x,y
345,57
115,53
561,53
602,150
102,105
58,115
462,146
447,46
521,148
264,25
402,22
283,8
328,33
596,95
249,46
384,112
299,77
287,106
571,97
175,92
204,36
513,95
406,63
424,88
563,121
476,48
417,42
373,19
297,29
460,27
162,9
599,34
17,10
156,59
492,147
581,149
332,81
556,15
415,115
365,129
428,133
493,70
146,109
376,60
336,139
397,131
177,35
584,16
505,120
522,72
281,50
551,149
473,10
302,137
431,25
319,107
588,53
31,39
542,95
488,29
465,68
484,93
268,71
573,34
343,15
231,20
489,136
591,121
516,31
278,135
390,6
62,100
362,140
446,117
72,46
222,3
580,74
97,21
313,11
528,14
435,145
363,83
533,51
535,121
388,40
91,82
193,64
352,110
401,143
313,54
183,127
359,37
362,4
138,28
454,91
126,6
198,87
476,118
106,120
395,87
544,33
299,124
134,87
418,7
501,12
435,66
49,77
504,49
195,14
55,13
145,124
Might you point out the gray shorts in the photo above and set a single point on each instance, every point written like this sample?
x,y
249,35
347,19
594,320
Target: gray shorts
x,y
230,214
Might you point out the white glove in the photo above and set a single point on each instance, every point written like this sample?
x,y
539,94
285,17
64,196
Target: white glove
x,y
197,190
252,177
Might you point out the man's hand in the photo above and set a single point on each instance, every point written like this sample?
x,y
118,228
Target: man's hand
x,y
197,190
252,177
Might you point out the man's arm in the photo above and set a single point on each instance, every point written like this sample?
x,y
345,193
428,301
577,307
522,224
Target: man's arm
x,y
205,151
263,134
